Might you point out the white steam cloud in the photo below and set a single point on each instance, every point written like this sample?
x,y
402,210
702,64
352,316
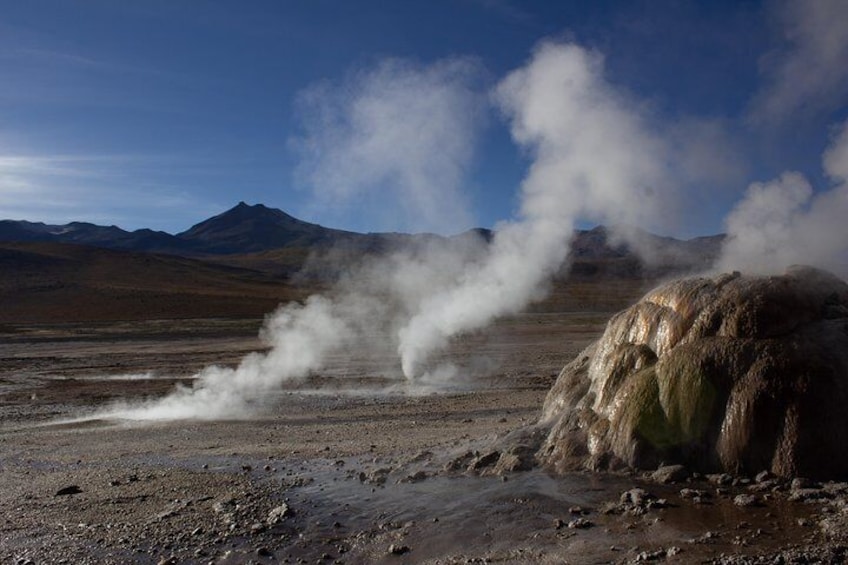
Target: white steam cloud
x,y
393,144
594,157
784,222
809,75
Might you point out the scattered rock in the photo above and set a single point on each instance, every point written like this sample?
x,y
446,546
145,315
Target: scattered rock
x,y
397,549
416,477
70,489
808,494
670,474
763,476
653,555
635,501
511,463
695,495
635,497
766,485
746,500
485,460
799,483
580,524
836,489
460,463
722,479
375,477
278,514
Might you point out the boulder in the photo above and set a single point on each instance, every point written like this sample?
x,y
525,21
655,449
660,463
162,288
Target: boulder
x,y
731,373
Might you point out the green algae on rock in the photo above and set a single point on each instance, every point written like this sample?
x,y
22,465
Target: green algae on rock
x,y
730,373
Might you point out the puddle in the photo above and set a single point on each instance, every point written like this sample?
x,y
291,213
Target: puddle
x,y
449,519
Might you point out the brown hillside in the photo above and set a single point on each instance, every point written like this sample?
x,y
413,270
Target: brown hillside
x,y
51,282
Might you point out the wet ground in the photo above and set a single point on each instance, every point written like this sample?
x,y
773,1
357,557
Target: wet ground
x,y
351,466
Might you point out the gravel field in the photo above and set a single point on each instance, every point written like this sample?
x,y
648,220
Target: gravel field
x,y
353,465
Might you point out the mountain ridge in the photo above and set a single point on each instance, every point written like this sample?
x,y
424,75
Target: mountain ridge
x,y
250,229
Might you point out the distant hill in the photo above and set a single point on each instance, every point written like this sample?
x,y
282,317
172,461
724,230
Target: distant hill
x,y
57,282
248,229
258,238
242,263
254,229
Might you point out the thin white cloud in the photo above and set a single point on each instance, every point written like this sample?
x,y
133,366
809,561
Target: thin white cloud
x,y
111,189
809,73
392,145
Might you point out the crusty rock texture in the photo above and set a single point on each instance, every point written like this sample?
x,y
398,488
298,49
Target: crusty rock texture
x,y
732,373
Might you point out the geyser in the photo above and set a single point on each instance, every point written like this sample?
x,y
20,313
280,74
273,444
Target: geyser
x,y
734,373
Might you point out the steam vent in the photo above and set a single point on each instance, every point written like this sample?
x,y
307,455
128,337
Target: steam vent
x,y
732,373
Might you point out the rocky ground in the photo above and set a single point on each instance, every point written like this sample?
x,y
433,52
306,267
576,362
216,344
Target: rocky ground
x,y
352,466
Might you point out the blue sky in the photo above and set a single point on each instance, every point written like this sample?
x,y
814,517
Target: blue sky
x,y
161,113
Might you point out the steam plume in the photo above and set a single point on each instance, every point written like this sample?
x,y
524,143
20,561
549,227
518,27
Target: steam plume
x,y
783,222
594,157
393,144
808,74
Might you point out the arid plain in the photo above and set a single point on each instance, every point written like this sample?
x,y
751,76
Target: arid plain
x,y
352,465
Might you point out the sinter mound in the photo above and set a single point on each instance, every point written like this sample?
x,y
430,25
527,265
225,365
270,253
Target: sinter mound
x,y
732,373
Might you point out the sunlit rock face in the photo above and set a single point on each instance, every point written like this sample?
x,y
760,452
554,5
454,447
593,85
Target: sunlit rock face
x,y
733,373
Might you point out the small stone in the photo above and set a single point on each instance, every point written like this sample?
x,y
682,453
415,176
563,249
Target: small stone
x,y
694,494
799,483
483,461
807,494
722,479
670,474
197,531
396,549
71,489
415,477
746,500
763,476
657,503
635,497
580,524
276,515
559,524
